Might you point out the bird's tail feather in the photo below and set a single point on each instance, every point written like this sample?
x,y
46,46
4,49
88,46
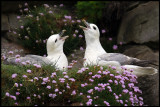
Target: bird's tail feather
x,y
144,63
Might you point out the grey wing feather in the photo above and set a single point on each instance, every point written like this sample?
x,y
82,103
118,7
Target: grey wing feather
x,y
122,59
125,60
33,59
38,59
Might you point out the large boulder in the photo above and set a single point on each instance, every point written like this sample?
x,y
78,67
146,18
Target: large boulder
x,y
5,23
143,52
140,23
149,84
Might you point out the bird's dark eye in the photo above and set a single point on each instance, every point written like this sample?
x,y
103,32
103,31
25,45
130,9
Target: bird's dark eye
x,y
55,40
94,28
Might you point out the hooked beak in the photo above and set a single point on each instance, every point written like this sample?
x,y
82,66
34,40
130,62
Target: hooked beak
x,y
62,32
86,23
63,38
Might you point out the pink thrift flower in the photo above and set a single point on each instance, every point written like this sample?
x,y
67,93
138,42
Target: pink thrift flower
x,y
7,94
49,87
54,95
18,17
64,73
81,48
91,80
14,97
17,93
46,5
26,9
74,35
10,52
80,36
66,76
38,66
24,76
16,84
125,91
36,78
105,102
55,6
115,47
41,14
29,71
50,95
90,73
76,31
26,4
110,39
28,98
56,90
23,63
3,57
110,81
82,85
21,27
50,12
88,96
120,43
61,5
54,81
72,79
103,31
16,103
78,21
14,75
80,93
17,56
14,32
68,86
73,92
90,91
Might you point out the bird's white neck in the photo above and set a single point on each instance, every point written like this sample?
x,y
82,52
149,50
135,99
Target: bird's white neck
x,y
54,52
95,45
93,50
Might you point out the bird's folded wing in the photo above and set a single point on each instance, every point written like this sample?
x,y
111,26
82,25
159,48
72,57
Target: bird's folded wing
x,y
33,59
125,60
122,59
38,59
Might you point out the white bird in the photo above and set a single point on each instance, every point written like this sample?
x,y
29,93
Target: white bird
x,y
96,55
55,57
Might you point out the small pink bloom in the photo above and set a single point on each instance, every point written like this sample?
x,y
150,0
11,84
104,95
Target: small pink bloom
x,y
14,75
16,84
115,47
110,39
7,94
103,31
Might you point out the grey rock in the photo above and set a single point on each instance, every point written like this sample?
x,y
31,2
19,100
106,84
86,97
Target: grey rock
x,y
150,89
5,23
149,84
13,21
140,24
144,53
78,56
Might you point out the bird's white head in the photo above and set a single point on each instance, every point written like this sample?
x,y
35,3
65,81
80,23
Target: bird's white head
x,y
91,31
55,43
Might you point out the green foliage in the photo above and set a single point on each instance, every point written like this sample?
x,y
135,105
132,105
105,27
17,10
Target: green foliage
x,y
33,86
40,23
92,10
